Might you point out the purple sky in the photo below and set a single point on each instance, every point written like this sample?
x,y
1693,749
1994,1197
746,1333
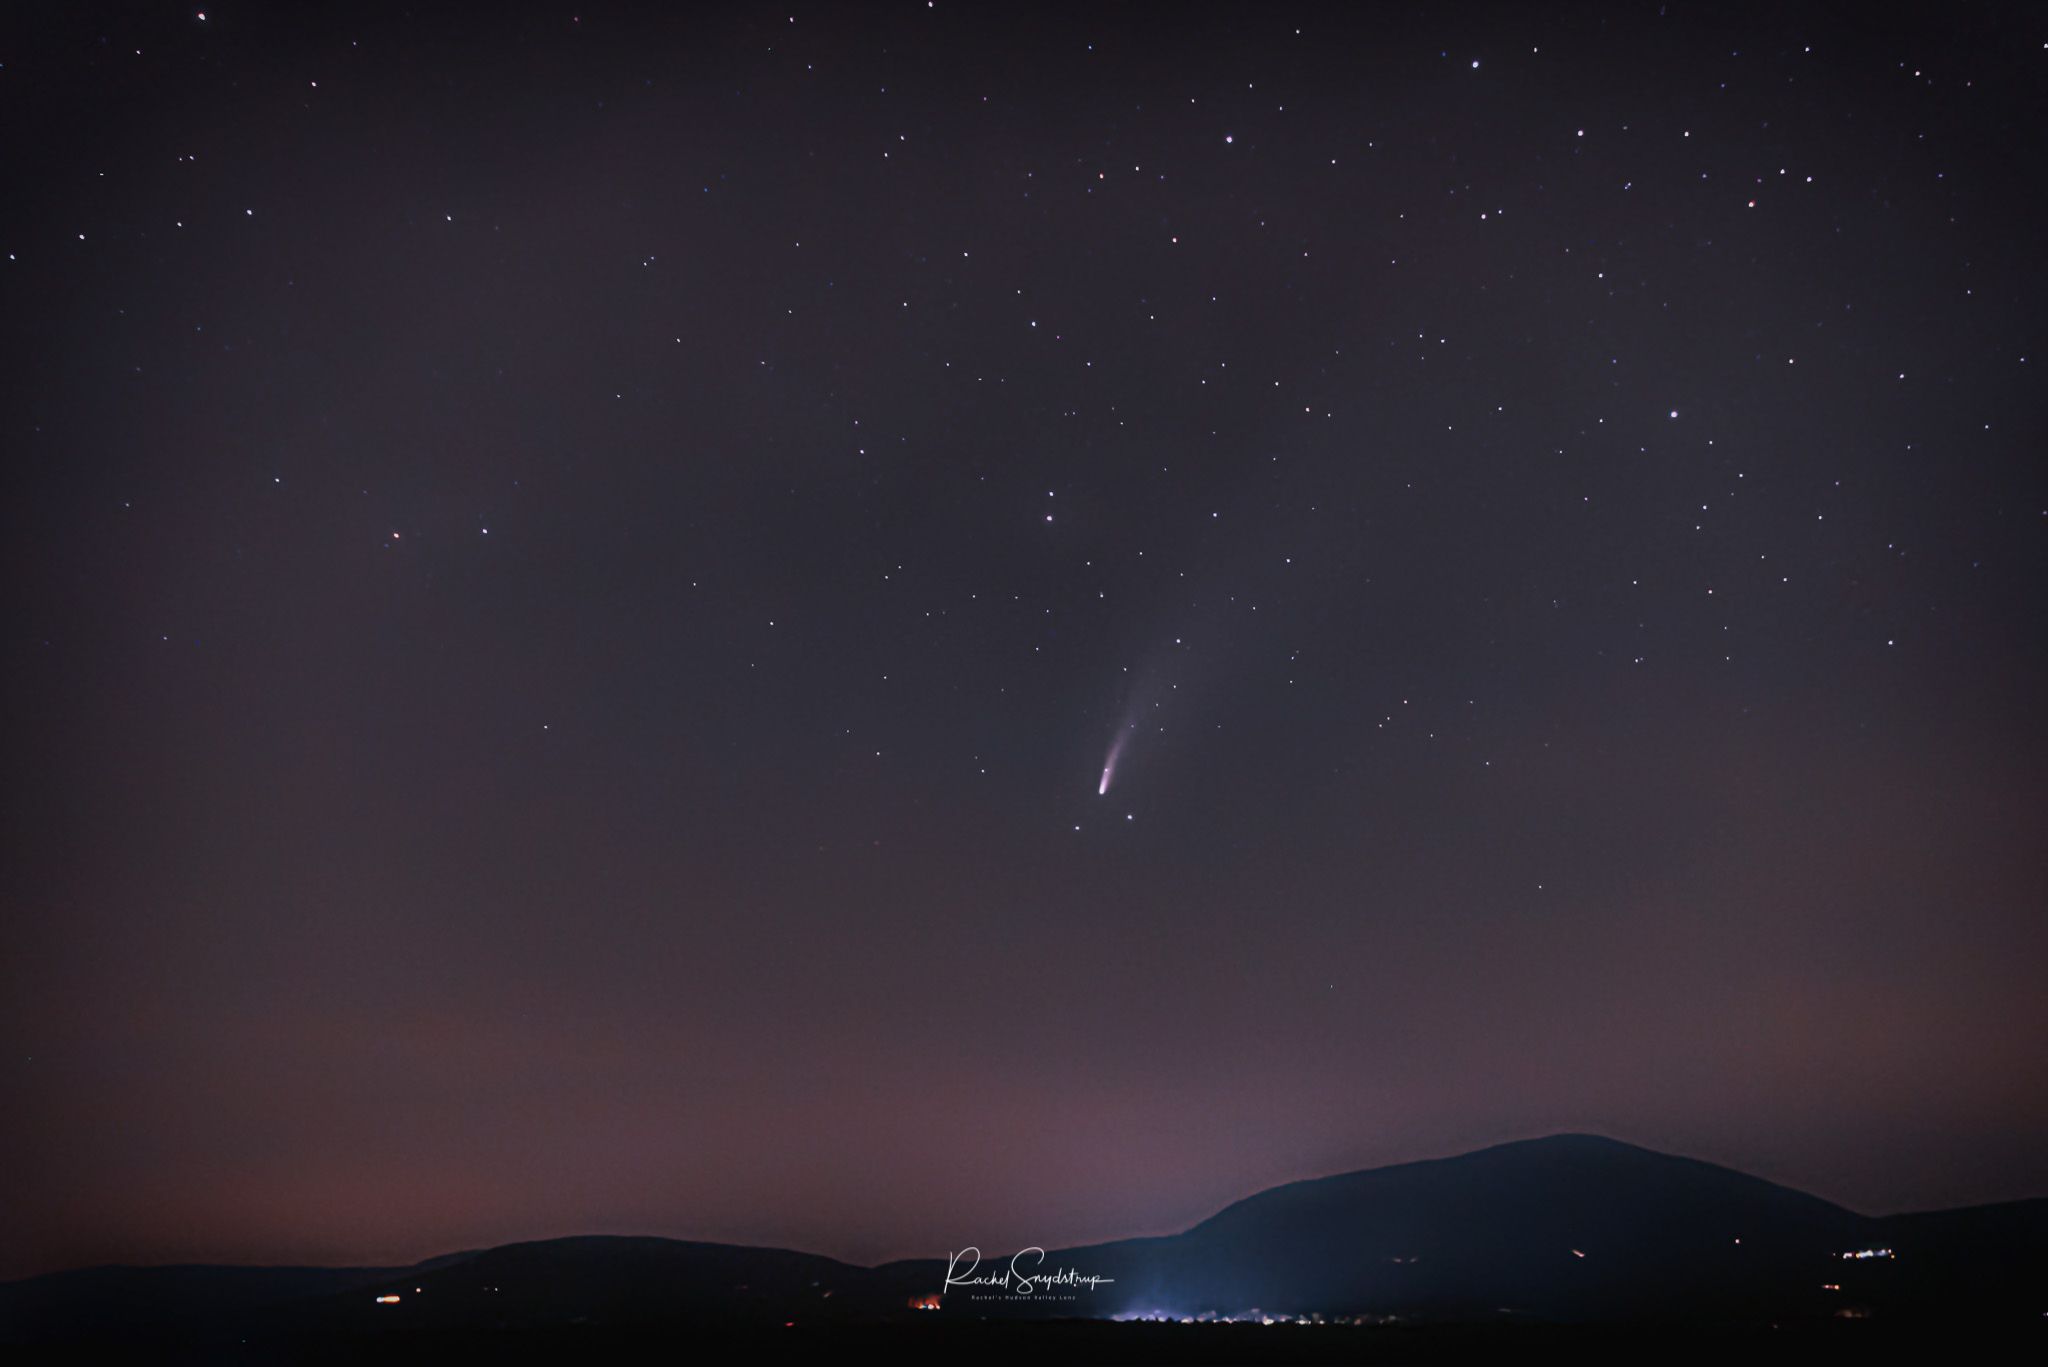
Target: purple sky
x,y
574,576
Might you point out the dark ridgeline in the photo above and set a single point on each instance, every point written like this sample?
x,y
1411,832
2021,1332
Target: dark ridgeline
x,y
1566,1230
1572,1228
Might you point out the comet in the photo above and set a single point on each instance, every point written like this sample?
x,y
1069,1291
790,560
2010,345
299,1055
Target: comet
x,y
1116,747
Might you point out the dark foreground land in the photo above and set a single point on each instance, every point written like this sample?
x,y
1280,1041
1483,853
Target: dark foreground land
x,y
1572,1248
1060,1343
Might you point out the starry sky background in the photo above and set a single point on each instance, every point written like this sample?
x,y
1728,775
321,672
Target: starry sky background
x,y
572,573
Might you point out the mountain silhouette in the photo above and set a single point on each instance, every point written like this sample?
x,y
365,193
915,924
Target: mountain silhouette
x,y
1571,1229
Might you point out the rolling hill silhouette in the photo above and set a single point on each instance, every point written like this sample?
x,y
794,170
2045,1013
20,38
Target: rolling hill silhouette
x,y
1571,1229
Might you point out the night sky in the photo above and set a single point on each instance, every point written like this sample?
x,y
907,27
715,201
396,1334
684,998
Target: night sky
x,y
575,578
